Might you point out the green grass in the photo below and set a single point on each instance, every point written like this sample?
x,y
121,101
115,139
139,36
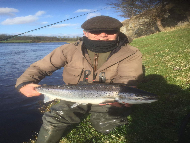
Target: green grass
x,y
167,54
167,74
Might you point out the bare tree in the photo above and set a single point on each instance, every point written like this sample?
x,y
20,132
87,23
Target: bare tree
x,y
130,8
157,9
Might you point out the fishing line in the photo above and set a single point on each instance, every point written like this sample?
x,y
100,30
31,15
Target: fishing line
x,y
14,36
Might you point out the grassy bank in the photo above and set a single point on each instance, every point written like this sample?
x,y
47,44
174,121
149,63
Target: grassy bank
x,y
167,74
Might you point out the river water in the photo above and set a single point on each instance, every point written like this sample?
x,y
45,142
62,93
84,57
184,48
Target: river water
x,y
20,116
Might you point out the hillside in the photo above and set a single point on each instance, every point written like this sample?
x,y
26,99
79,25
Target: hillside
x,y
152,21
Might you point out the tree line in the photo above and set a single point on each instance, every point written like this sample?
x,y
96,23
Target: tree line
x,y
5,37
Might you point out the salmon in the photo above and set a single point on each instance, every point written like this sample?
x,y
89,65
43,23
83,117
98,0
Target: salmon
x,y
96,94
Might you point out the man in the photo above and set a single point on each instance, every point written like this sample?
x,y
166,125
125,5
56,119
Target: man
x,y
102,56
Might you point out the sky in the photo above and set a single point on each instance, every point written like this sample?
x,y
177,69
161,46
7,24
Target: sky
x,y
20,16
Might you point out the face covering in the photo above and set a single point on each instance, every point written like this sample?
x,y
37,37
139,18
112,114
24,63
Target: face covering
x,y
99,46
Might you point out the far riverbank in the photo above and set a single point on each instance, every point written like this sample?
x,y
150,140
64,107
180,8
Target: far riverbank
x,y
30,41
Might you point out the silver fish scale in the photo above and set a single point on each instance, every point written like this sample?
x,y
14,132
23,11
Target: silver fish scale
x,y
82,91
131,96
88,94
91,87
122,95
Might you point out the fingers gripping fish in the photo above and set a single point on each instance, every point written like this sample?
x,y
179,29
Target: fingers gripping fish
x,y
96,94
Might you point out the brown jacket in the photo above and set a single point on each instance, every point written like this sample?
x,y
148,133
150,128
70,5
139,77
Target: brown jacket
x,y
124,66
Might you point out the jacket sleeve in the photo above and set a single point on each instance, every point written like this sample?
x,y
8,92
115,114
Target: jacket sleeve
x,y
44,67
130,71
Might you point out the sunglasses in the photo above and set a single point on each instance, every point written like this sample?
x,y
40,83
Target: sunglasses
x,y
104,31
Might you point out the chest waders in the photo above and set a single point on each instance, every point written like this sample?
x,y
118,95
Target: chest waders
x,y
62,118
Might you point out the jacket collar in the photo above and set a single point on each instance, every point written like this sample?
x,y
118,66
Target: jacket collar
x,y
121,53
82,50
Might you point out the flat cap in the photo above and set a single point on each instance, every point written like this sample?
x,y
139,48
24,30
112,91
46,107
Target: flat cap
x,y
102,23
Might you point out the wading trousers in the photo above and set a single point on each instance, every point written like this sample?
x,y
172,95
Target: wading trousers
x,y
61,118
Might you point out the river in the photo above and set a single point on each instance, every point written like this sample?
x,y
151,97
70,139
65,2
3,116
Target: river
x,y
20,117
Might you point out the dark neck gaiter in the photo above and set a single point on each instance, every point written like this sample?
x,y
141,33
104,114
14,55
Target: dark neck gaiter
x,y
99,46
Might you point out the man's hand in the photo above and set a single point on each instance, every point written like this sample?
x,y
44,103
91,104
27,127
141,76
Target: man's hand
x,y
29,90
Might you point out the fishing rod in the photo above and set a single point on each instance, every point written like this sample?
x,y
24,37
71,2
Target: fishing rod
x,y
14,36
